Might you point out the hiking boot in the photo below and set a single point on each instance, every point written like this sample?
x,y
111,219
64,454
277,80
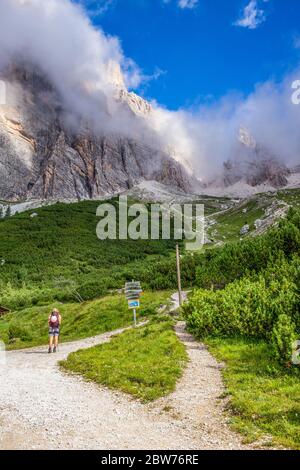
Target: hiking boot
x,y
54,349
49,350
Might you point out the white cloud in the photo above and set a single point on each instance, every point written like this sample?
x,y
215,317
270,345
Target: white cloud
x,y
190,4
99,7
58,36
184,4
96,8
252,15
208,136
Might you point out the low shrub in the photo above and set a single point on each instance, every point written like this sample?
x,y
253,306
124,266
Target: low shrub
x,y
93,289
283,338
17,331
264,306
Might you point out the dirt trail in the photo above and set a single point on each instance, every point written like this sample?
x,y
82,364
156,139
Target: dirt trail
x,y
43,408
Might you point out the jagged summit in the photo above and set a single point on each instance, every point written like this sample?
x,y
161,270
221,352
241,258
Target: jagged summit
x,y
254,164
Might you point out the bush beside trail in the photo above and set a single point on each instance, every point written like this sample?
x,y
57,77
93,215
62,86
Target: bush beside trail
x,y
264,301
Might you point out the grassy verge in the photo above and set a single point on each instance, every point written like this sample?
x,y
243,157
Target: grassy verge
x,y
265,398
28,327
145,362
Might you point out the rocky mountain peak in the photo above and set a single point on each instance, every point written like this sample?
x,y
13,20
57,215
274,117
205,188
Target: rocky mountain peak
x,y
116,76
42,158
254,164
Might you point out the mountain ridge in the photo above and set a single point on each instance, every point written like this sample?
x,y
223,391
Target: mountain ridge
x,y
45,154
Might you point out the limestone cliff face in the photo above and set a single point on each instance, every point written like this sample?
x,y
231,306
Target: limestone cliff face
x,y
41,158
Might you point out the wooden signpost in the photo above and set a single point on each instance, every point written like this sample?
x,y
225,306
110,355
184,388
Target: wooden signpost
x,y
133,292
178,275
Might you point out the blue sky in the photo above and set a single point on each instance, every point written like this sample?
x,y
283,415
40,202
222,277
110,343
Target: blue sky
x,y
203,49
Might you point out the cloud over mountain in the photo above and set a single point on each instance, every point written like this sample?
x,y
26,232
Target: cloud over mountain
x,y
58,36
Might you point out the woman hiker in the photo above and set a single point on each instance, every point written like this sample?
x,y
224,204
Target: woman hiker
x,y
54,323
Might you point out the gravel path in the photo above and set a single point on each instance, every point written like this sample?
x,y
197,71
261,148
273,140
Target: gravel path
x,y
43,408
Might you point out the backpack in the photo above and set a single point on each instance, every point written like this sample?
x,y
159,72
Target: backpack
x,y
54,321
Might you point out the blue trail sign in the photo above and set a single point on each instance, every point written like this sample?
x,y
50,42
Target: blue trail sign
x,y
133,292
134,304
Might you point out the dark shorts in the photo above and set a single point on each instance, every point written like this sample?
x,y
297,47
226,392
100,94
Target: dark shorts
x,y
53,331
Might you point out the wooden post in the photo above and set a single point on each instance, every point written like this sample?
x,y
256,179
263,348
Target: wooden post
x,y
178,274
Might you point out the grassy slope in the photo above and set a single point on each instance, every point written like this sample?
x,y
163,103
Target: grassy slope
x,y
265,398
42,254
229,224
43,259
62,241
290,196
212,204
29,326
145,362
